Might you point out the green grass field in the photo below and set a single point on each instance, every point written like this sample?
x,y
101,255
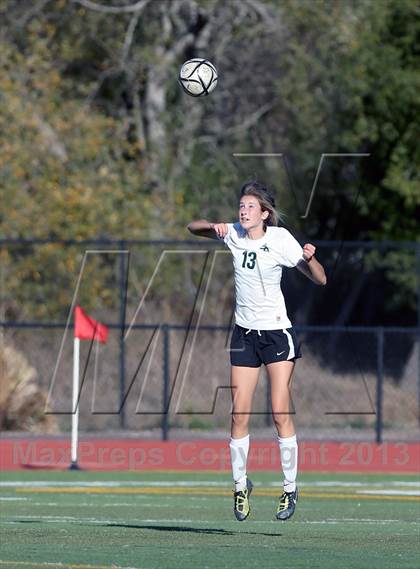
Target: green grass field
x,y
84,520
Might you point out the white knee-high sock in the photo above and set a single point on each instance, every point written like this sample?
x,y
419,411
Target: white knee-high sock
x,y
238,455
289,461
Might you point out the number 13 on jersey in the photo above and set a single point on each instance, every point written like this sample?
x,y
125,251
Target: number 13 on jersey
x,y
249,259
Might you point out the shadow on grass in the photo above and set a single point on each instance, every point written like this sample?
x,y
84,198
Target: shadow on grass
x,y
180,529
185,529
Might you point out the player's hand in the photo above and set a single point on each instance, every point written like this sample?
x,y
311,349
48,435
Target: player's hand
x,y
220,228
308,251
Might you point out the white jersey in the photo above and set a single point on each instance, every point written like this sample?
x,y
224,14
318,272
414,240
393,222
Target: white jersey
x,y
258,266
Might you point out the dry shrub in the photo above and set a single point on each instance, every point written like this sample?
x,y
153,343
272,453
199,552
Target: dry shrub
x,y
22,401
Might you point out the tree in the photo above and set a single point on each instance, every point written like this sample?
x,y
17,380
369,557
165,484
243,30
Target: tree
x,y
102,142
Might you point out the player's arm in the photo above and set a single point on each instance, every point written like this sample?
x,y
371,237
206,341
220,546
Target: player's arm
x,y
204,228
310,267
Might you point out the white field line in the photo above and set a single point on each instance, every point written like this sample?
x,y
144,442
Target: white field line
x,y
344,484
361,520
96,505
129,504
195,483
336,522
74,519
109,484
391,492
9,499
94,521
60,564
55,504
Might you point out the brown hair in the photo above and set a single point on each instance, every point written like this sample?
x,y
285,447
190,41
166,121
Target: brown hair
x,y
265,199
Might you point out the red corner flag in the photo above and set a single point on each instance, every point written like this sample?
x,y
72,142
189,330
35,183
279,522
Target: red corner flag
x,y
86,328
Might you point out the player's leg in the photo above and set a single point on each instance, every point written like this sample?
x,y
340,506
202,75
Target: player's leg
x,y
280,376
243,384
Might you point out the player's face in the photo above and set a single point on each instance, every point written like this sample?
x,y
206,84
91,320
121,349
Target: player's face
x,y
250,213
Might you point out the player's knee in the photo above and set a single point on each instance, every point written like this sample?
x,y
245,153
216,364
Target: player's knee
x,y
282,420
240,420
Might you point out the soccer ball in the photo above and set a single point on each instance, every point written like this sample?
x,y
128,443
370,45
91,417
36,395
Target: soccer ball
x,y
198,77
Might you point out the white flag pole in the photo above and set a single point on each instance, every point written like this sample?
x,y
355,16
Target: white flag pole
x,y
75,407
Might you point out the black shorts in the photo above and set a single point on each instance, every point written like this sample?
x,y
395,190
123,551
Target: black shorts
x,y
251,348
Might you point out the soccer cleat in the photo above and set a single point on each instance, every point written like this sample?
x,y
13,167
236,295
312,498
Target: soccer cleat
x,y
287,505
241,502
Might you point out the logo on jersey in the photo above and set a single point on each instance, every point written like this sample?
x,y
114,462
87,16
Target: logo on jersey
x,y
265,248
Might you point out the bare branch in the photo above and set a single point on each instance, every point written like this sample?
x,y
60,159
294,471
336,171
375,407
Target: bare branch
x,y
241,126
178,47
167,26
229,26
252,119
33,11
186,141
268,17
50,138
174,12
112,9
102,77
128,40
138,118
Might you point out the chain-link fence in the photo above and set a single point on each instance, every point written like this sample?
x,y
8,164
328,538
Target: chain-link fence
x,y
169,307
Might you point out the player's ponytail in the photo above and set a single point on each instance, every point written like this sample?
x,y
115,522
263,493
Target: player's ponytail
x,y
265,199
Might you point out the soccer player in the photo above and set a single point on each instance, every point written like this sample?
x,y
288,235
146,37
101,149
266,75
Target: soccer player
x,y
263,333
